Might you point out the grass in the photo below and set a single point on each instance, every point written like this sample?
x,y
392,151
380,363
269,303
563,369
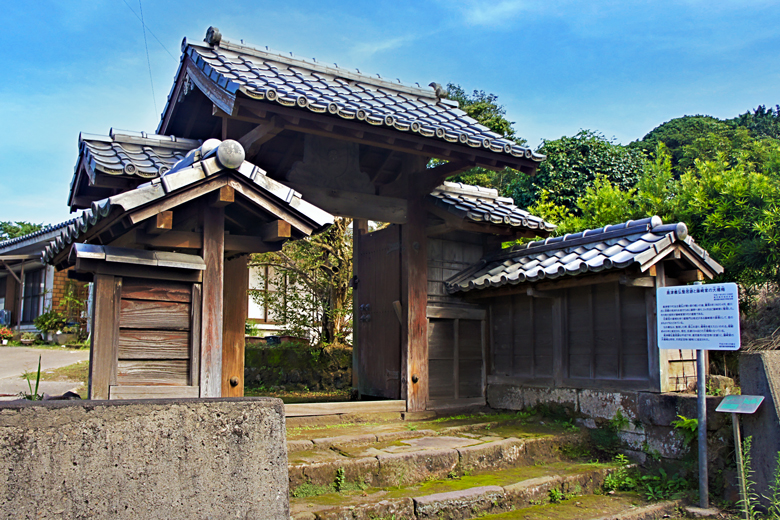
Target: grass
x,y
77,372
50,346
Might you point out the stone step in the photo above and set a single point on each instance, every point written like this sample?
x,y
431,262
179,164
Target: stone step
x,y
622,506
504,492
402,459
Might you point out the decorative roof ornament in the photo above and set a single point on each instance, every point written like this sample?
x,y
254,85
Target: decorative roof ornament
x,y
441,93
213,36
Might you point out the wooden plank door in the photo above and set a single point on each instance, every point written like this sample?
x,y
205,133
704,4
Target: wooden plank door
x,y
379,329
456,366
157,341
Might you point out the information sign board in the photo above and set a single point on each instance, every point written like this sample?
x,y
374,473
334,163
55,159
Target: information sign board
x,y
698,317
740,403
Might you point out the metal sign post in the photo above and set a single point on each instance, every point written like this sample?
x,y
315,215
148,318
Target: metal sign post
x,y
737,404
699,317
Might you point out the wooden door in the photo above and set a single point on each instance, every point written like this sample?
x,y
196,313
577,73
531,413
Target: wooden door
x,y
157,347
379,329
456,369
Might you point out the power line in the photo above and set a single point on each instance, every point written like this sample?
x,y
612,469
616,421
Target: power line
x,y
148,62
150,31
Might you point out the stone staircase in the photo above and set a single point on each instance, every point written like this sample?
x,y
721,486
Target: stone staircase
x,y
446,468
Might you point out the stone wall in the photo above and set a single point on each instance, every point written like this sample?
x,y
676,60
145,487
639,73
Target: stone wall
x,y
294,366
647,429
189,459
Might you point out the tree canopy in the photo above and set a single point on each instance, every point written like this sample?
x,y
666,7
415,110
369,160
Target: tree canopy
x,y
17,229
486,110
572,165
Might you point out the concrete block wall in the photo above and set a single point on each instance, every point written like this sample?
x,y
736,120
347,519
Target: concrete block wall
x,y
186,459
759,374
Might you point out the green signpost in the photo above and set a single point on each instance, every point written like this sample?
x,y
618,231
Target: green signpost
x,y
737,404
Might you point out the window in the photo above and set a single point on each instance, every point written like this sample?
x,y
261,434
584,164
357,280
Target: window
x,y
33,293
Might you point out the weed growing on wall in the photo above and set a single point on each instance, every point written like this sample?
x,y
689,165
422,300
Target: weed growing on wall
x,y
689,428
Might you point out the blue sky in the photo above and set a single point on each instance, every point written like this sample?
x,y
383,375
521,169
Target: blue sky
x,y
617,67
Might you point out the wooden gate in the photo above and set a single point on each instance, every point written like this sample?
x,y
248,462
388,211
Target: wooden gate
x,y
379,336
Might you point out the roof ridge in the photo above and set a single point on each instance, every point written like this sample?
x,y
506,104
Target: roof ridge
x,y
622,229
315,65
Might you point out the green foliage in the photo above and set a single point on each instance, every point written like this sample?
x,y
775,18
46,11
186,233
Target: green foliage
x,y
572,165
340,480
694,137
556,495
621,479
10,229
762,122
661,486
485,109
774,493
50,321
605,438
307,489
34,395
748,503
689,428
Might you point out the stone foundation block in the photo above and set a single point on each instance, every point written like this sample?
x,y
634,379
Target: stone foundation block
x,y
467,503
397,469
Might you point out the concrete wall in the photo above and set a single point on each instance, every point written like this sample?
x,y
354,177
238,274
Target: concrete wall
x,y
649,430
190,459
759,374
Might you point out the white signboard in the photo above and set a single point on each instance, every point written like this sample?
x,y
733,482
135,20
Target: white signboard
x,y
698,317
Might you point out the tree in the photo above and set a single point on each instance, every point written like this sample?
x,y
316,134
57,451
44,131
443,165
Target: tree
x,y
313,277
762,122
486,110
572,165
695,137
17,229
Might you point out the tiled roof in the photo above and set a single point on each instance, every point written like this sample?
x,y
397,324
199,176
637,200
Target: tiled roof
x,y
483,205
195,166
133,153
590,251
325,89
32,237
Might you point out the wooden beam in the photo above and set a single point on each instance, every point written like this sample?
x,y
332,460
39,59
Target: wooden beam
x,y
693,275
16,277
356,205
190,240
236,308
261,134
642,281
139,271
428,178
212,307
105,329
224,196
276,231
172,240
380,137
177,199
249,244
161,223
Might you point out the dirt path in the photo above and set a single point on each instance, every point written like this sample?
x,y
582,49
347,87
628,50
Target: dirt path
x,y
14,361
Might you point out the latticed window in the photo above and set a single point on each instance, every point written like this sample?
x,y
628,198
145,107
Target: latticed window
x,y
33,293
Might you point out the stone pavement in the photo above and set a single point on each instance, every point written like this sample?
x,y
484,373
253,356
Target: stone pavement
x,y
14,361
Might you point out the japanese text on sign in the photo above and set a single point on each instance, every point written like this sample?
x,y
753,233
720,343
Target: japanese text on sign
x,y
699,317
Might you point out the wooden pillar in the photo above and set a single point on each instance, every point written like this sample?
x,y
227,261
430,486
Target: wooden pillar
x,y
105,331
359,228
236,309
414,290
211,309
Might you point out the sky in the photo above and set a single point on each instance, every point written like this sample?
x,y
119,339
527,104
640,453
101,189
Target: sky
x,y
620,68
